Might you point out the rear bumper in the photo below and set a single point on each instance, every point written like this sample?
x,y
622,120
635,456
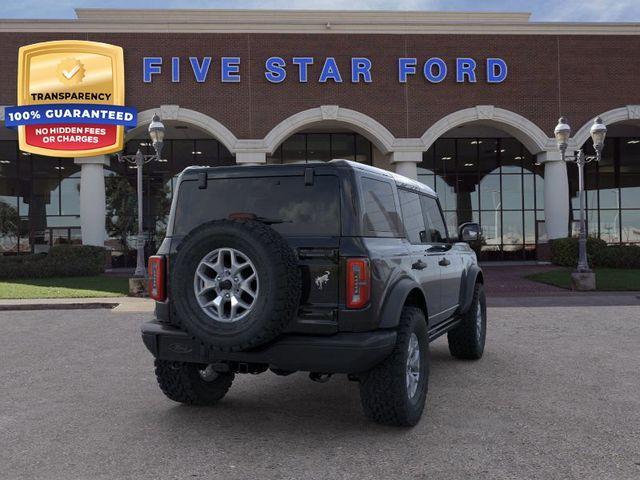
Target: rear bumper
x,y
339,353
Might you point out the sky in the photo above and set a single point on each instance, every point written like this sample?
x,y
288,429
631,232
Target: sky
x,y
542,10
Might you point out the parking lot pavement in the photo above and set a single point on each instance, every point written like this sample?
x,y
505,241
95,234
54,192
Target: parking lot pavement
x,y
557,395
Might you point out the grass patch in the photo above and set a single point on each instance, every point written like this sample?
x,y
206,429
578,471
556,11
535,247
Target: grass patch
x,y
607,279
68,287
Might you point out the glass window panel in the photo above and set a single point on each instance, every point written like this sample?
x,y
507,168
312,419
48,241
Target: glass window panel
x,y
445,155
69,168
363,150
467,192
427,159
467,154
45,166
511,155
9,218
491,228
490,198
412,216
62,221
75,234
453,221
181,156
530,227
528,192
206,152
539,192
610,226
318,147
226,157
45,197
276,157
446,194
436,230
629,155
60,236
294,149
630,190
631,226
512,192
462,216
512,228
608,193
343,146
428,180
8,158
488,156
529,163
380,210
70,196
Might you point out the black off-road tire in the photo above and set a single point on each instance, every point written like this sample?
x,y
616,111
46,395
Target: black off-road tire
x,y
279,293
182,382
383,390
467,340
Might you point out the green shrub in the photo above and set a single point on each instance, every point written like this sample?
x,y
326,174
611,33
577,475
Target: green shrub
x,y
61,261
564,252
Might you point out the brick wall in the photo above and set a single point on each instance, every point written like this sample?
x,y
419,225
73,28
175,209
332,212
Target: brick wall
x,y
578,76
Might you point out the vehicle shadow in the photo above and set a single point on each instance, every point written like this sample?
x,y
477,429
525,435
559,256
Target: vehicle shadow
x,y
263,405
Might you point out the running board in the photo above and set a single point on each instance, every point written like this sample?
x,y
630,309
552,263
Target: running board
x,y
442,328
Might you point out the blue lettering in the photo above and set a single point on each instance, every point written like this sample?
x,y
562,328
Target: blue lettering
x,y
275,69
200,71
230,69
175,69
151,66
428,70
330,71
406,66
360,67
465,67
496,70
303,64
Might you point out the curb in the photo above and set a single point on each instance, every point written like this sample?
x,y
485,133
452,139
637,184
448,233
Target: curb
x,y
58,306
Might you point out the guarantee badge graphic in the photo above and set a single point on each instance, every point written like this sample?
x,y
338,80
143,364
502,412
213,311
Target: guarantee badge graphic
x,y
71,99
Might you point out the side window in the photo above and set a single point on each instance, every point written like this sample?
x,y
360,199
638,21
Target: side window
x,y
380,215
436,230
412,216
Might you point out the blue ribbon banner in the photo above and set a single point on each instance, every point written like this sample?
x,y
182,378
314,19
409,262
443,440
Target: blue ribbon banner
x,y
70,113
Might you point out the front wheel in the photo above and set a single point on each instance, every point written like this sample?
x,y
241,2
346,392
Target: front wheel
x,y
394,392
191,383
467,340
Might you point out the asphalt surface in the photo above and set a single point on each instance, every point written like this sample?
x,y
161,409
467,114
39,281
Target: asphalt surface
x,y
556,396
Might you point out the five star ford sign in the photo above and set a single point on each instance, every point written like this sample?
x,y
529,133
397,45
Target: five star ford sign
x,y
70,99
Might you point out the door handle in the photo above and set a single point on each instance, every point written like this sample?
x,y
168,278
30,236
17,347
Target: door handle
x,y
444,262
419,265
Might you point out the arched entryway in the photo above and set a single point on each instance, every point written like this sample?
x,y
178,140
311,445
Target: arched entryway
x,y
484,166
613,185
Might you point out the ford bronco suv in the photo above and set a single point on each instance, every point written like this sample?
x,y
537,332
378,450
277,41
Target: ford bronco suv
x,y
325,268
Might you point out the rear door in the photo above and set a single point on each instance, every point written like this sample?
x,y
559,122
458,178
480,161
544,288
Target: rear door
x,y
424,267
438,248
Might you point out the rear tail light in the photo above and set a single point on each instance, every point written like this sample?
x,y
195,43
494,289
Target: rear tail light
x,y
157,272
358,282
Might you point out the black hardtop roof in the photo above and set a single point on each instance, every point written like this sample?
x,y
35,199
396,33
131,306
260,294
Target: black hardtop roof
x,y
319,167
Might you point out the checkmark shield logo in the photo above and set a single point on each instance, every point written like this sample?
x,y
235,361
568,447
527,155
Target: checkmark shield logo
x,y
70,71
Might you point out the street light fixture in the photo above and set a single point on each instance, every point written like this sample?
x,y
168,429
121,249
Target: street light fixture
x,y
156,133
562,133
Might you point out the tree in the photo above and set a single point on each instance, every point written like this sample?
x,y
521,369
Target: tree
x,y
9,222
121,209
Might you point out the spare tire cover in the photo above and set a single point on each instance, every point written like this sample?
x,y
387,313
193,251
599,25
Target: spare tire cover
x,y
235,284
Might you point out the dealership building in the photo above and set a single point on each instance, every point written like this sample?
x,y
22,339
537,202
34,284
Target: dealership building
x,y
464,102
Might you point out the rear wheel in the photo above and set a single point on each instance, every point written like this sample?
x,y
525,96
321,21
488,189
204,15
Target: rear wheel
x,y
191,383
394,392
467,340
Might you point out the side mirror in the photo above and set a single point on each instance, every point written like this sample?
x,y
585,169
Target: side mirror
x,y
469,232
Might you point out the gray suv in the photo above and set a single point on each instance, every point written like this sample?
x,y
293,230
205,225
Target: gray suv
x,y
325,268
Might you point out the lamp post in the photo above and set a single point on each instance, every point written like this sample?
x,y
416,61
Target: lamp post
x,y
562,133
156,133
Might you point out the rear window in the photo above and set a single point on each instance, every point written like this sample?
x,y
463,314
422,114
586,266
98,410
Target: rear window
x,y
380,213
285,203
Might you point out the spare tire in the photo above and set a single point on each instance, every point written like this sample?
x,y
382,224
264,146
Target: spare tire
x,y
235,284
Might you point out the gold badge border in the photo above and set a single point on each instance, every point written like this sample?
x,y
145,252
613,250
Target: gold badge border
x,y
71,47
